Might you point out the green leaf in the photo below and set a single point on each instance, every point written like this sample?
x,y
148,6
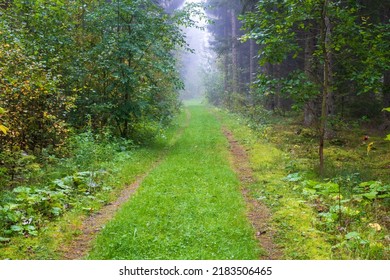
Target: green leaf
x,y
294,177
32,230
4,239
352,235
371,195
16,228
56,211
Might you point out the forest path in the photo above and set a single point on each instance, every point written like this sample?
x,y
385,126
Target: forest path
x,y
93,224
258,214
189,206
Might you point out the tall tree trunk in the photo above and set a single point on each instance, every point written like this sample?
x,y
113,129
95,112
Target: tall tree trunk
x,y
252,60
226,65
330,102
326,88
235,78
252,72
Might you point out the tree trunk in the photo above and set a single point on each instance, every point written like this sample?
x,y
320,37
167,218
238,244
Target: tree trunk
x,y
226,68
330,102
326,88
278,99
235,79
252,60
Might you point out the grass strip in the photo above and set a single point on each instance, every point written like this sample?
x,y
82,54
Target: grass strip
x,y
189,207
293,220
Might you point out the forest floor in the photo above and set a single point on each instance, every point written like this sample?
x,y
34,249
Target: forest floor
x,y
257,213
218,189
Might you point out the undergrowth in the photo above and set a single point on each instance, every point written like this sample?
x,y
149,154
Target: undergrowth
x,y
342,215
42,214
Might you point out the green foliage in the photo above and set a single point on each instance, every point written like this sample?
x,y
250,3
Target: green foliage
x,y
370,43
128,78
30,92
345,205
299,88
3,128
271,26
16,166
290,30
26,209
101,65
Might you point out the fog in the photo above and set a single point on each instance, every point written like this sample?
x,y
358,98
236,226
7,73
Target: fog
x,y
192,63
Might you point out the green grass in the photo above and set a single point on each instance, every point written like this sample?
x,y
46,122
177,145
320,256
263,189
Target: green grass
x,y
307,225
292,220
189,207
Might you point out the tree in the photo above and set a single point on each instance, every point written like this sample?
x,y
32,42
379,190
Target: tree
x,y
334,37
135,84
30,91
109,61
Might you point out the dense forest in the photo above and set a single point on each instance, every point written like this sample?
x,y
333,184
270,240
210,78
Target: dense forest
x,y
76,74
328,59
90,100
312,77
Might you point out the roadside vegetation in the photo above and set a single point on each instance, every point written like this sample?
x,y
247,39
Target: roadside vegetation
x,y
308,83
342,215
39,218
87,91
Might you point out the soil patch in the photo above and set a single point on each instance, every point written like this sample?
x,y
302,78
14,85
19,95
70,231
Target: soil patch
x,y
258,214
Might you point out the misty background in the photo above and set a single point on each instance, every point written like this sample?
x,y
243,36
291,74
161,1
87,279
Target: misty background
x,y
193,64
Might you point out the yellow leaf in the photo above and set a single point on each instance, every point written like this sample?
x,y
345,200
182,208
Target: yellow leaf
x,y
4,129
369,147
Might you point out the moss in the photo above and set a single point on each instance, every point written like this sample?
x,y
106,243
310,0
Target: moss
x,y
282,148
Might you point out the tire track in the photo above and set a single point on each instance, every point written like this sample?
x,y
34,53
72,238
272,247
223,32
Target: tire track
x,y
93,224
258,214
